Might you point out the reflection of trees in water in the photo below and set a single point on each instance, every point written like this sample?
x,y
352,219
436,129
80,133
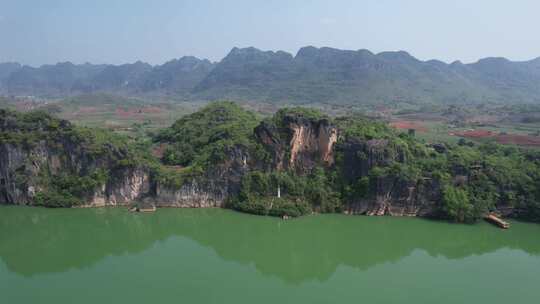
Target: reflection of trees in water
x,y
44,240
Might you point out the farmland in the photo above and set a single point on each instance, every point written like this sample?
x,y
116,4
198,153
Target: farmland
x,y
514,125
504,124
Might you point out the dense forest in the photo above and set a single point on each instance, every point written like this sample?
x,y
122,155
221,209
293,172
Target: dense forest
x,y
371,164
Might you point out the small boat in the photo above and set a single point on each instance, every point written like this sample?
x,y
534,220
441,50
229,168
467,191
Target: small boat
x,y
148,209
494,219
151,208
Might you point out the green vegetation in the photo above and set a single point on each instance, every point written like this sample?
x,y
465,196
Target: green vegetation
x,y
469,179
97,154
124,115
306,113
479,178
360,127
299,194
203,138
324,76
441,123
456,204
121,114
473,178
66,190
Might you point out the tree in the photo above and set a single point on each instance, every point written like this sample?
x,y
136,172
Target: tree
x,y
456,204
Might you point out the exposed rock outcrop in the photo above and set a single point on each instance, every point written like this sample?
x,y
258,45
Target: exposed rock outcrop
x,y
45,161
210,190
295,143
190,195
388,195
299,143
395,197
360,156
22,170
131,185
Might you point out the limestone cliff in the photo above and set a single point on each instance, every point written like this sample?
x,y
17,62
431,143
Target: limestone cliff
x,y
296,162
387,195
48,161
294,142
23,170
210,190
299,143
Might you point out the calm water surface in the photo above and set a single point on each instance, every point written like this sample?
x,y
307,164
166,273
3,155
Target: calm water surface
x,y
219,256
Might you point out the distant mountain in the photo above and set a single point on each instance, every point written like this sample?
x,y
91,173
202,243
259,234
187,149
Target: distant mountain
x,y
118,77
176,76
50,80
7,69
314,75
249,74
339,76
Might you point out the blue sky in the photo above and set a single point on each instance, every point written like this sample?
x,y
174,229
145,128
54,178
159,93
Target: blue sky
x,y
119,31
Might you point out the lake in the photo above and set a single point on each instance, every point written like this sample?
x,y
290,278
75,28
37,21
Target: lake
x,y
220,256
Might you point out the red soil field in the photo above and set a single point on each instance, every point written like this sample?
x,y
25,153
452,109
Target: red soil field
x,y
135,112
522,140
404,124
87,110
474,134
151,109
125,114
514,139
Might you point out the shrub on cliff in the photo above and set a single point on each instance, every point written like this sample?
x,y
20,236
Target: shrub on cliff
x,y
298,112
361,127
202,138
299,194
86,158
456,204
272,206
68,189
478,178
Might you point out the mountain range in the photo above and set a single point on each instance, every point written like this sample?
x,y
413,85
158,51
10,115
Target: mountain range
x,y
322,75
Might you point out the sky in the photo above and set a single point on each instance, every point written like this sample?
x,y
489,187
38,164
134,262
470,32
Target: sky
x,y
123,31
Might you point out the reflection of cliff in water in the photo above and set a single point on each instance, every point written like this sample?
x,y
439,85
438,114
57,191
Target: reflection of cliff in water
x,y
42,240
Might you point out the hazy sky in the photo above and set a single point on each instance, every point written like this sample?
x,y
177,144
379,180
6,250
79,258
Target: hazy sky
x,y
119,31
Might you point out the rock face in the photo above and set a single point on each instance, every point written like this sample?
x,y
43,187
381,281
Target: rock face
x,y
360,156
125,187
21,169
128,187
300,143
211,190
399,198
294,142
308,139
11,160
46,161
388,195
190,195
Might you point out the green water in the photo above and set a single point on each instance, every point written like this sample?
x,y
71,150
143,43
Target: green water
x,y
218,256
